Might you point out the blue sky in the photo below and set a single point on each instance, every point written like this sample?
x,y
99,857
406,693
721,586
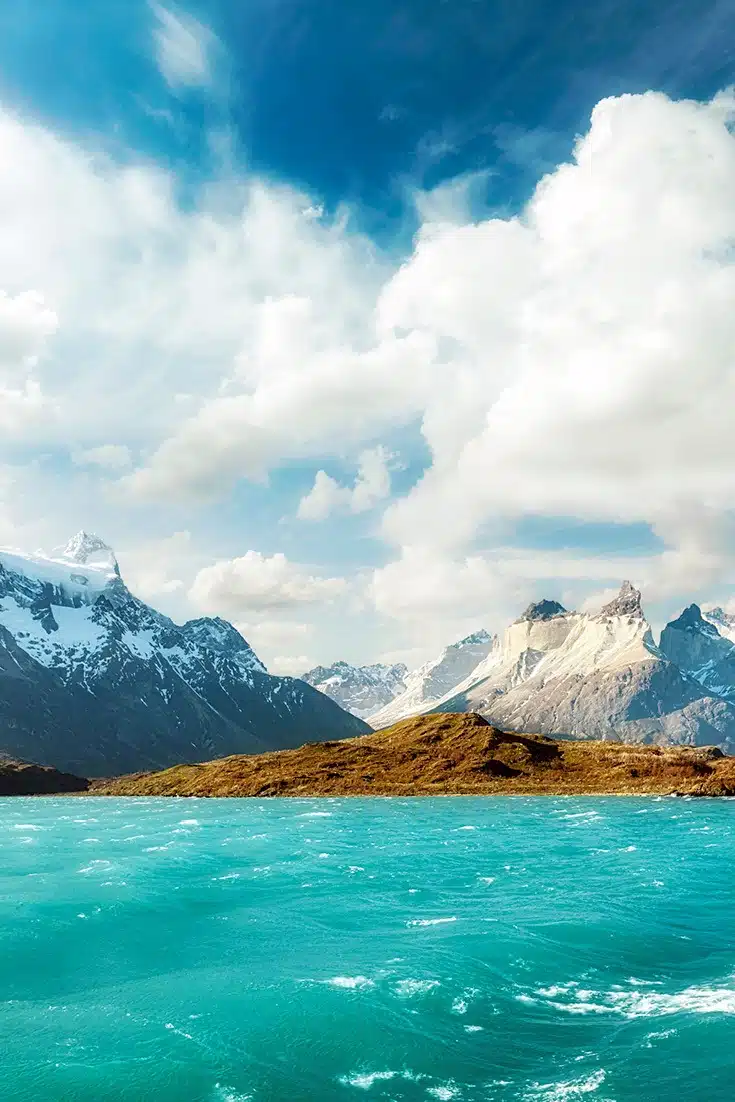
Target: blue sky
x,y
362,324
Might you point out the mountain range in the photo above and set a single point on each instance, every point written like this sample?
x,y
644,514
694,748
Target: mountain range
x,y
95,682
601,676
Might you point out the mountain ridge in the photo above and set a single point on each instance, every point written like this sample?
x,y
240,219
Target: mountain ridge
x,y
95,682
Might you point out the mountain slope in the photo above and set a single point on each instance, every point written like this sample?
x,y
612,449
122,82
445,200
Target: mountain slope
x,y
19,778
598,677
359,689
694,643
94,681
438,754
434,679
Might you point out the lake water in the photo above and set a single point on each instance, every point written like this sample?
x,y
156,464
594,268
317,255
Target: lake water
x,y
336,950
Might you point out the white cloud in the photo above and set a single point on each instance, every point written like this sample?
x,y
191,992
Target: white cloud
x,y
158,568
291,665
371,486
574,361
255,583
184,48
111,457
26,324
596,371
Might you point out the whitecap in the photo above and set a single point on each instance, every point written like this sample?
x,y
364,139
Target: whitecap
x,y
445,1092
473,1029
26,826
350,982
96,866
634,1003
565,1092
226,1094
408,988
430,921
189,822
364,1080
315,815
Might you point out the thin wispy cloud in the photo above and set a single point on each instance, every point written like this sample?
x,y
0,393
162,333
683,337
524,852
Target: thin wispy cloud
x,y
185,49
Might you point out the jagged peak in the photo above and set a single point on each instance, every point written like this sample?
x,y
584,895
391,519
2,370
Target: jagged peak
x,y
627,602
480,636
219,635
85,547
544,609
692,620
718,614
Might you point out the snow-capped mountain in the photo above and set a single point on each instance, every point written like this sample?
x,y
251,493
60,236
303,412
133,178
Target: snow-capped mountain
x,y
428,684
95,681
361,690
697,643
573,674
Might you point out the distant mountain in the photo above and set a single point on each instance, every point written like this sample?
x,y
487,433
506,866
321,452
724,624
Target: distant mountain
x,y
434,679
600,677
694,643
359,689
96,682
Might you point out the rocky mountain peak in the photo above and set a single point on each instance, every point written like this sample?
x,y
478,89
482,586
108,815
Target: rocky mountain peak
x,y
85,548
627,602
717,615
480,636
542,610
221,637
692,620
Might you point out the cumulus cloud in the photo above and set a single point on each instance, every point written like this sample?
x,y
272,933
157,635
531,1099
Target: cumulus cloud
x,y
575,361
26,324
111,457
277,641
184,48
256,583
157,568
598,343
371,486
290,666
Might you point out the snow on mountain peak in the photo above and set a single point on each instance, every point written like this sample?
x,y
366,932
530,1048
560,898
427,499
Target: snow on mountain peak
x,y
542,610
627,603
435,678
722,620
88,549
360,689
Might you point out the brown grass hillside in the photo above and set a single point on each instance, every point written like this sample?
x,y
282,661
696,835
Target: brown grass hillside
x,y
445,754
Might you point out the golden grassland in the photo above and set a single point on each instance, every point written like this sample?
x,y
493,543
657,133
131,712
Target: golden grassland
x,y
445,755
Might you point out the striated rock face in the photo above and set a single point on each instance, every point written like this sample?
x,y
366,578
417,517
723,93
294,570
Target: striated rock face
x,y
434,679
361,690
598,677
96,682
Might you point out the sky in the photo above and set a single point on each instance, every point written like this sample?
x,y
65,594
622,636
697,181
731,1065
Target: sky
x,y
362,325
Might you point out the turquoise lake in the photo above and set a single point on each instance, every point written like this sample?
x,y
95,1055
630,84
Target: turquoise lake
x,y
335,950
